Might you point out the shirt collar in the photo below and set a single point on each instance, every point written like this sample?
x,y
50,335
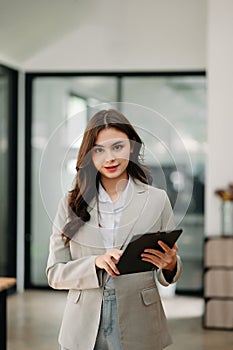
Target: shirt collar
x,y
104,196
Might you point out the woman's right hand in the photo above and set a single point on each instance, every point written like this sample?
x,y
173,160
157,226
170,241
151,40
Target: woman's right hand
x,y
108,261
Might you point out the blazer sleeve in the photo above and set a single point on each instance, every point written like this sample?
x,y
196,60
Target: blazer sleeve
x,y
62,271
167,223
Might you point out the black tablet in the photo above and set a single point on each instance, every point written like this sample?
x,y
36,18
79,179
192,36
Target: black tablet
x,y
131,262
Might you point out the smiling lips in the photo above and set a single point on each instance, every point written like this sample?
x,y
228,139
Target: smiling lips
x,y
111,168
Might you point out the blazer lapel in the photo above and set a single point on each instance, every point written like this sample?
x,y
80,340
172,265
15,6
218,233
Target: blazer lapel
x,y
89,234
136,200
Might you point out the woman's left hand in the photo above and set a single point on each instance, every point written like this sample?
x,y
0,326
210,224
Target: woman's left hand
x,y
166,260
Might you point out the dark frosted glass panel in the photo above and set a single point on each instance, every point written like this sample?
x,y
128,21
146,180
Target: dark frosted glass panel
x,y
59,117
180,102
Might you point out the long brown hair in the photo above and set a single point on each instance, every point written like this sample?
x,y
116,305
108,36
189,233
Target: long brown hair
x,y
87,177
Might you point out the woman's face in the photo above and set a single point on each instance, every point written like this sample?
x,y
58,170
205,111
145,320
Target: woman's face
x,y
111,153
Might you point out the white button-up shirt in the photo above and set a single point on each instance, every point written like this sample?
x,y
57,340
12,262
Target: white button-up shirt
x,y
109,220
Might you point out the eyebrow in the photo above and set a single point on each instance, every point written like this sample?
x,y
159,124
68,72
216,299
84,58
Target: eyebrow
x,y
114,144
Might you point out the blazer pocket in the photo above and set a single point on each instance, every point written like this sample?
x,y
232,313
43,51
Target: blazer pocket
x,y
74,295
150,296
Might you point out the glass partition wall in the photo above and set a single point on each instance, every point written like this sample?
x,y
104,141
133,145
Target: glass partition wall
x,y
181,100
53,151
172,105
8,159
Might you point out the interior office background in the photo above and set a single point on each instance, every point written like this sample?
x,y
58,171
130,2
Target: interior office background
x,y
171,56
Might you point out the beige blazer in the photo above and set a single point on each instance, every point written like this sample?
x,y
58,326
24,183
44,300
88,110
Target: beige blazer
x,y
142,321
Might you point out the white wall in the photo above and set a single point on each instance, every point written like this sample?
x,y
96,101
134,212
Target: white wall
x,y
131,35
220,106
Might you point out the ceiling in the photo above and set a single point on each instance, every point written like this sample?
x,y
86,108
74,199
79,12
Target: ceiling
x,y
29,27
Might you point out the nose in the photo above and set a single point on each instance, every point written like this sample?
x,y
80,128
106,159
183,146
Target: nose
x,y
109,155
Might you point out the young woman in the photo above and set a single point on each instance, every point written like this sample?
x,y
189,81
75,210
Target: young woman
x,y
111,201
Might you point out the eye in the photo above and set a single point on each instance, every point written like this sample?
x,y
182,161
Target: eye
x,y
98,149
118,147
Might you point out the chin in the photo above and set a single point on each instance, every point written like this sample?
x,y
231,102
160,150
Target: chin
x,y
113,175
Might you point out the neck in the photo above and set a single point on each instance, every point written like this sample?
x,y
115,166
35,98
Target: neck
x,y
114,187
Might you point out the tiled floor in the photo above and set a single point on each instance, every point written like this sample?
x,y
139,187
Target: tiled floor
x,y
34,319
